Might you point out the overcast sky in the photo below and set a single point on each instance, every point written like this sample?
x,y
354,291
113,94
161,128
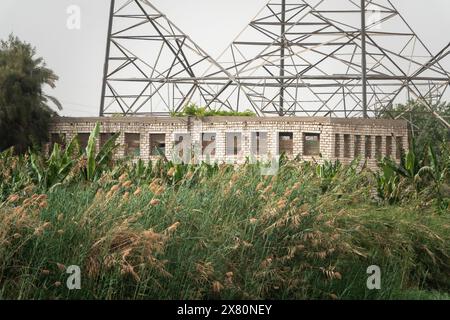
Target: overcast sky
x,y
77,56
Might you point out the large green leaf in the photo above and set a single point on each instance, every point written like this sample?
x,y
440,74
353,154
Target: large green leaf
x,y
105,155
91,153
410,163
36,168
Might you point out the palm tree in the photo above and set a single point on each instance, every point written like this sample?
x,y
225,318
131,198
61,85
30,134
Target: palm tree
x,y
25,110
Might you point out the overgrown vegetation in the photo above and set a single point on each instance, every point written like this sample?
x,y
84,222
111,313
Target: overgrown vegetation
x,y
167,231
414,174
425,129
192,110
24,111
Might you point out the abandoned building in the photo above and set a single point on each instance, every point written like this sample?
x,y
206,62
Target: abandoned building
x,y
233,139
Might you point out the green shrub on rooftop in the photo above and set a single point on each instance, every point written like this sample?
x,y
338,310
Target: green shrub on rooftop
x,y
193,110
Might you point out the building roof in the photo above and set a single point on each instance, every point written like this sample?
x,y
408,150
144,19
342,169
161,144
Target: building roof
x,y
221,119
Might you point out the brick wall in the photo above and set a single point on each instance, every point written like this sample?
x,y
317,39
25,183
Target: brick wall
x,y
331,131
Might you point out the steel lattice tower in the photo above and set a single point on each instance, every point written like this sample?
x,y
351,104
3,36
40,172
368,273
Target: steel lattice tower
x,y
340,58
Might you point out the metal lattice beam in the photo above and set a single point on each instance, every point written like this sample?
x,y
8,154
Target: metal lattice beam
x,y
152,67
345,58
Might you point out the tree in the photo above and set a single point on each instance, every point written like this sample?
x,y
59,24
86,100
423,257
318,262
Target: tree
x,y
425,129
24,111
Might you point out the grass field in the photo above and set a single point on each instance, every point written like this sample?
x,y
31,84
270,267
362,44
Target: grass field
x,y
218,232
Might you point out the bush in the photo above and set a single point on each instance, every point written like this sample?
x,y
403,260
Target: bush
x,y
193,110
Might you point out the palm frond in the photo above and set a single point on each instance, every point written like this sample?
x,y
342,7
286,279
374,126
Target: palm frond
x,y
54,101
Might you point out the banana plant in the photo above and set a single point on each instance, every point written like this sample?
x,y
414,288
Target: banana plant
x,y
327,172
97,163
140,172
388,182
409,166
437,171
54,170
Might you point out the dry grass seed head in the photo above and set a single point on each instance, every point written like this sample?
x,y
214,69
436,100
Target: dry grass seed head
x,y
13,198
43,204
259,186
288,193
217,287
100,193
155,202
267,262
171,172
189,175
127,184
115,188
45,272
281,204
205,270
173,227
128,270
61,267
137,192
123,177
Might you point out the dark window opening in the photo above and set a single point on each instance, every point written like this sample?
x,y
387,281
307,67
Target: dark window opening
x,y
157,144
286,143
357,151
104,137
311,144
378,147
57,138
347,146
389,146
132,144
337,146
368,147
400,148
83,139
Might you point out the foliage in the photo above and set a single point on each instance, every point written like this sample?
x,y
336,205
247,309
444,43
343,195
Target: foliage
x,y
425,173
58,166
193,110
426,129
161,230
167,231
64,166
24,110
327,172
14,175
97,163
388,182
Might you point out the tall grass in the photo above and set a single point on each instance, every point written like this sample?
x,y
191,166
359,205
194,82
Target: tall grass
x,y
218,232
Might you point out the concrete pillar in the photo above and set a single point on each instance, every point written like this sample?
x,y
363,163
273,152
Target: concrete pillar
x,y
145,145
